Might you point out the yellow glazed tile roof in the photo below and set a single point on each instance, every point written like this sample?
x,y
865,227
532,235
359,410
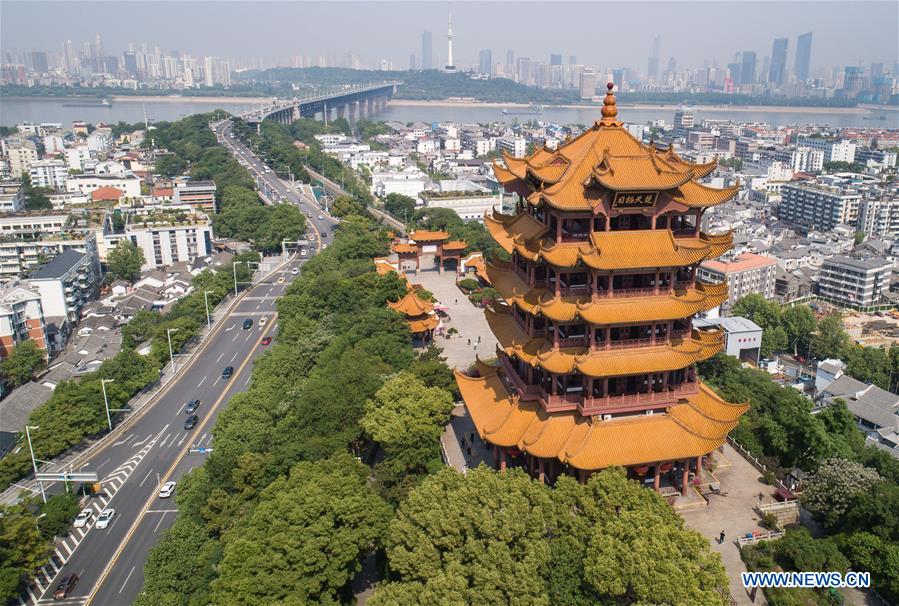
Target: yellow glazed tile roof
x,y
402,247
422,235
615,310
454,245
605,157
411,305
601,363
688,430
423,325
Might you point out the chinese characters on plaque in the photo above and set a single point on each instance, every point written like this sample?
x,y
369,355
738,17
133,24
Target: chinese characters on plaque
x,y
624,200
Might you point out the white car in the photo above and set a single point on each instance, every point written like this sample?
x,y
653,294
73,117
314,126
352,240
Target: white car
x,y
167,490
105,518
263,321
295,271
83,518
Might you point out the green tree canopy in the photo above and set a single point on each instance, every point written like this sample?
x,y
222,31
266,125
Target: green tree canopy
x,y
831,340
305,538
124,261
25,360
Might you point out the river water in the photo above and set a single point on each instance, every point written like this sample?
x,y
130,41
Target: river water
x,y
14,111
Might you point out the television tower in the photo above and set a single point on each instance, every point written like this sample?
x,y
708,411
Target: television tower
x,y
450,66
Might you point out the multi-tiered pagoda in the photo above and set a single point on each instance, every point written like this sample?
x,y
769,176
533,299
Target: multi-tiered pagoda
x,y
597,354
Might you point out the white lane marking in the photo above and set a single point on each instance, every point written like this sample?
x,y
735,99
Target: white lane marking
x,y
103,463
219,359
203,380
120,442
203,437
217,381
235,355
143,441
247,382
145,477
235,338
159,523
184,437
126,578
162,511
65,546
165,439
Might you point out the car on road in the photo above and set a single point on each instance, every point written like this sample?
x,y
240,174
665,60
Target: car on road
x,y
192,407
65,587
83,518
105,517
266,340
295,270
191,422
263,321
303,252
280,280
167,490
324,246
321,218
228,372
267,169
247,324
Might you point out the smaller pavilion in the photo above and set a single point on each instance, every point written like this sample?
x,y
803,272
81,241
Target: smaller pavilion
x,y
419,314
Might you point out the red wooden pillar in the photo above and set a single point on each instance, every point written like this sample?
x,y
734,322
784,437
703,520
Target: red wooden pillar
x,y
495,456
685,477
658,477
502,459
699,466
582,476
541,470
608,339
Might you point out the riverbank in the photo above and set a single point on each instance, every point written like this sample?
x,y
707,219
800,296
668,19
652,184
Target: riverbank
x,y
646,106
191,98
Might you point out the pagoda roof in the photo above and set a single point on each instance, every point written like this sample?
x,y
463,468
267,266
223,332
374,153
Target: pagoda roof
x,y
422,235
411,305
605,157
681,353
454,245
404,248
603,310
696,425
424,324
383,266
610,250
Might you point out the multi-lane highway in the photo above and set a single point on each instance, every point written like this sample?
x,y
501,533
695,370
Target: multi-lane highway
x,y
155,447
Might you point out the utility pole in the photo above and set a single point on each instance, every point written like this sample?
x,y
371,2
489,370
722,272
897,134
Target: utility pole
x,y
206,301
103,383
168,334
33,460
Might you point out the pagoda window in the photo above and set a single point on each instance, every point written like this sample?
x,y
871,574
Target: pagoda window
x,y
683,225
520,264
602,284
571,383
683,278
680,329
571,334
633,284
575,229
554,227
540,273
599,223
630,336
539,213
631,222
539,326
574,282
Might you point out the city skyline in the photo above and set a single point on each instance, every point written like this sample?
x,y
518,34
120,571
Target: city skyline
x,y
745,27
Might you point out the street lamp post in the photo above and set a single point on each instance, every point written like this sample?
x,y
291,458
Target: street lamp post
x,y
33,460
103,383
168,334
206,301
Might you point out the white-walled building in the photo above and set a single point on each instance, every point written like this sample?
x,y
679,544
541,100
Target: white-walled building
x,y
165,239
77,156
12,197
834,151
410,181
20,156
49,173
801,159
514,146
85,184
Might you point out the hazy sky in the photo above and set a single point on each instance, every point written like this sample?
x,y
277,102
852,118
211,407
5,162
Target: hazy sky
x,y
607,34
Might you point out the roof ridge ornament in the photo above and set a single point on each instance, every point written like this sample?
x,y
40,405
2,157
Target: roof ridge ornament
x,y
609,110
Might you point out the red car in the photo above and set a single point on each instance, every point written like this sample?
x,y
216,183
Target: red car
x,y
266,340
65,587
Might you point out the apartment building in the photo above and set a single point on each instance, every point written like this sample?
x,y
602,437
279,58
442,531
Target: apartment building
x,y
49,173
879,217
18,256
168,238
65,284
199,195
514,146
854,282
20,154
834,150
747,273
818,206
21,318
12,197
801,160
85,184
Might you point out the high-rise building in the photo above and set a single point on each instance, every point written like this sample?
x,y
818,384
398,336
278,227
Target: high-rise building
x,y
597,357
803,56
427,49
485,62
587,84
412,61
555,59
523,71
450,65
683,121
747,68
653,67
510,58
853,81
777,71
572,60
39,62
876,71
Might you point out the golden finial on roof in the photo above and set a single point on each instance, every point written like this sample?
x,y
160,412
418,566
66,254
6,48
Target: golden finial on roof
x,y
609,111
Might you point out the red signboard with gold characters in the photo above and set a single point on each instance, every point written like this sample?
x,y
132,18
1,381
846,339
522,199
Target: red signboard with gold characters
x,y
625,200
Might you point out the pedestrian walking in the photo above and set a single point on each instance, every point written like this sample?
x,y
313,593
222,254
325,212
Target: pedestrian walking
x,y
469,341
479,339
761,496
475,346
721,538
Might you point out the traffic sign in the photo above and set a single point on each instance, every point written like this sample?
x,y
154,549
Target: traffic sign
x,y
76,476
